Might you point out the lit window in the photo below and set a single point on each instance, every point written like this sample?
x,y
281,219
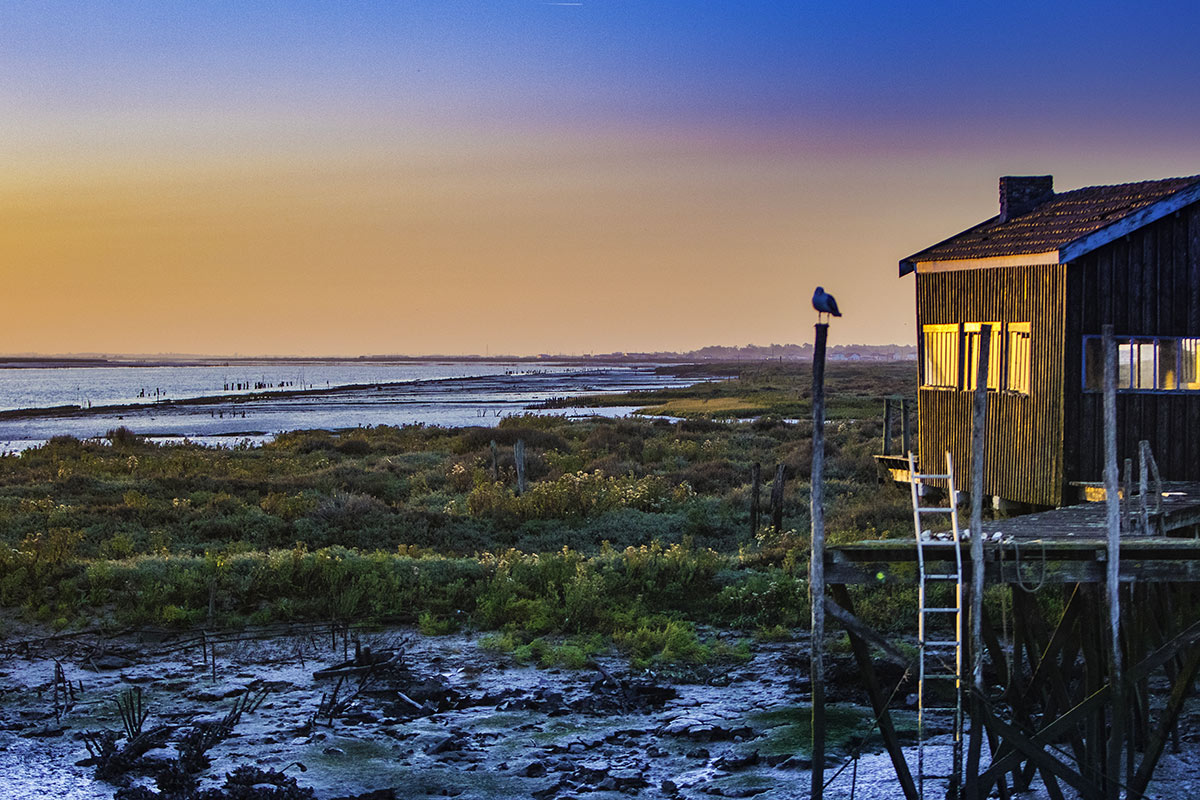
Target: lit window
x,y
971,336
952,355
941,355
1018,357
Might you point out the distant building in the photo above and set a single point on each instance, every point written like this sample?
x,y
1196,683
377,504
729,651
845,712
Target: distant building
x,y
1047,273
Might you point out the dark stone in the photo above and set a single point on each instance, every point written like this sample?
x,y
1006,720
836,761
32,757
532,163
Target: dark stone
x,y
737,760
534,769
378,794
447,744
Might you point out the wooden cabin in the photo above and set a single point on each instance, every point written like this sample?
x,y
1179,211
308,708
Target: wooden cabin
x,y
1047,273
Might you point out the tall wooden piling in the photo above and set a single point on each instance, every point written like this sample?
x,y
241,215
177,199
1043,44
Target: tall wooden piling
x,y
1112,585
816,582
978,456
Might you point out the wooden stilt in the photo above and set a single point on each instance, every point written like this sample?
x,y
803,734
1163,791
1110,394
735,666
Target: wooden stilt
x,y
975,613
816,583
1112,771
1170,715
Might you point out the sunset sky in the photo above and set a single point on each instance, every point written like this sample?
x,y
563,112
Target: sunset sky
x,y
517,176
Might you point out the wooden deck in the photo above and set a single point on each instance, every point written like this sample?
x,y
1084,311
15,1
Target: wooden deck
x,y
1066,545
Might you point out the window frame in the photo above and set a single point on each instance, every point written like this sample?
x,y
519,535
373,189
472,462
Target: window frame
x,y
1131,348
952,332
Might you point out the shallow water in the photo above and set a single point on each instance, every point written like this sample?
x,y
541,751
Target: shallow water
x,y
474,400
753,711
682,742
45,387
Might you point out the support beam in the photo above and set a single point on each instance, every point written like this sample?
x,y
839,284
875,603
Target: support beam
x,y
866,668
1036,753
854,625
1170,715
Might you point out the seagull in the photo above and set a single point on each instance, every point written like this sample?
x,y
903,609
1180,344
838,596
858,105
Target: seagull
x,y
825,304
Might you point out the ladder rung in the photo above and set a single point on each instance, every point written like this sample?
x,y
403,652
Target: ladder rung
x,y
940,643
918,476
933,510
940,576
947,610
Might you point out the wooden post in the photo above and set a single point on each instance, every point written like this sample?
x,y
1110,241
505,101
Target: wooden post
x,y
1113,761
755,491
978,454
905,431
887,426
777,498
1143,489
519,457
816,578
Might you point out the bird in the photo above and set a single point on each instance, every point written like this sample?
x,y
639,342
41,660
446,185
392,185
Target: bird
x,y
825,304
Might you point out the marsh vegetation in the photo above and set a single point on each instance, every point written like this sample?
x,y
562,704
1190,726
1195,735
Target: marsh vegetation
x,y
632,530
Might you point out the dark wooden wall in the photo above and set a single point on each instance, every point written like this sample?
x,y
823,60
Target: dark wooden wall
x,y
1147,283
1025,432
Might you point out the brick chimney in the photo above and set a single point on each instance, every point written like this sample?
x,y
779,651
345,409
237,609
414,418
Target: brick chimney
x,y
1020,194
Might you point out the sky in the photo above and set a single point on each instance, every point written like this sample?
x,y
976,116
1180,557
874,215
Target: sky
x,y
523,177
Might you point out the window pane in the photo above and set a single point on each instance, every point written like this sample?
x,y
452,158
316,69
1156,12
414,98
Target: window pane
x,y
996,356
1189,368
1144,363
1125,359
1167,365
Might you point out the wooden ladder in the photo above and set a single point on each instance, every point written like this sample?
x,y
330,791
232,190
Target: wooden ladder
x,y
941,651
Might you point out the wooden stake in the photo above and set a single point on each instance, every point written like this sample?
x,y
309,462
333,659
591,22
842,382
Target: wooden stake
x,y
755,491
519,456
816,583
1116,733
777,498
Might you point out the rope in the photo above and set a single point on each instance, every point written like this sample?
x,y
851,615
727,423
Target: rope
x,y
1041,581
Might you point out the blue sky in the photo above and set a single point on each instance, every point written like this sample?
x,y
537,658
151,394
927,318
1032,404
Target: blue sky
x,y
683,171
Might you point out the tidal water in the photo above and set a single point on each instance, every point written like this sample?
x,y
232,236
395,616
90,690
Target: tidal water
x,y
226,404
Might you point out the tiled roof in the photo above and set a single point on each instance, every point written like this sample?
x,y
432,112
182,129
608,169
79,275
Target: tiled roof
x,y
1064,218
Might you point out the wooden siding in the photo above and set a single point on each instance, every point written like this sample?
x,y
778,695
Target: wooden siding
x,y
1025,432
1147,283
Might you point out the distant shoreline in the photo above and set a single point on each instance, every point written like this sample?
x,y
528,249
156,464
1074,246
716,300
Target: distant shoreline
x,y
211,400
707,355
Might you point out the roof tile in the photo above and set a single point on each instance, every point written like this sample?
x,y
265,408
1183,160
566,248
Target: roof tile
x,y
1057,222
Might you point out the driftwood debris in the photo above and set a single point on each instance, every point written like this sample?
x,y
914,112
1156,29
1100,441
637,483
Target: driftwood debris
x,y
364,661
